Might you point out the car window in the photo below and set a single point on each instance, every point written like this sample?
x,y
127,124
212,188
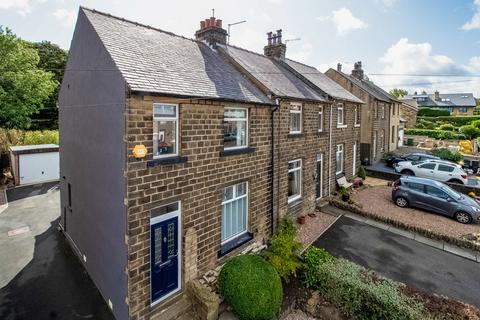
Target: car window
x,y
428,166
412,158
415,186
445,168
434,191
452,193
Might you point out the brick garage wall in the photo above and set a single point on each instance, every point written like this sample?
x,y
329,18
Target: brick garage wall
x,y
306,146
198,183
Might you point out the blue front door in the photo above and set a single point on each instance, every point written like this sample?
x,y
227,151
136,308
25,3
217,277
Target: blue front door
x,y
164,258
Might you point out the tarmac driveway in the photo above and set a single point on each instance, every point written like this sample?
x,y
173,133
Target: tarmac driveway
x,y
403,259
40,277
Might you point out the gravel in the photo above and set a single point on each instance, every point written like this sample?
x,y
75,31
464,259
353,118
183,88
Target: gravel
x,y
377,199
313,227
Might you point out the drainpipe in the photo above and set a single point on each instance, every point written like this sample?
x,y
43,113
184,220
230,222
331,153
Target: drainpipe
x,y
330,150
272,165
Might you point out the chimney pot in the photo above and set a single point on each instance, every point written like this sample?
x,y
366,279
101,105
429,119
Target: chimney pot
x,y
269,38
202,24
212,21
279,35
339,67
211,32
275,48
219,23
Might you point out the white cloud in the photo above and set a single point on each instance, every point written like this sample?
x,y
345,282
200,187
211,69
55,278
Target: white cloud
x,y
302,54
344,21
66,17
22,7
387,3
474,23
405,57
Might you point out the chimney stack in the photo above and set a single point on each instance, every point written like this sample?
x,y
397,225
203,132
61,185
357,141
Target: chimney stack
x,y
357,71
339,67
212,32
275,48
436,95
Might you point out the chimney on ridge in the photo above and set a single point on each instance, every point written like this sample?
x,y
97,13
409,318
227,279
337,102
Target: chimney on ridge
x,y
357,71
436,95
339,67
275,48
212,32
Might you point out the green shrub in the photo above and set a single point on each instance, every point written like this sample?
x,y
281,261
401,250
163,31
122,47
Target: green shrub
x,y
447,127
457,121
252,287
446,154
311,260
435,134
362,173
362,294
13,137
430,112
283,251
470,131
476,124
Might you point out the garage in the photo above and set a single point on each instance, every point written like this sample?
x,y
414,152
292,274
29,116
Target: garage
x,y
34,164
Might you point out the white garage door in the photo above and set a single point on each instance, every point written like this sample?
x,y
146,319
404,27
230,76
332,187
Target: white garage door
x,y
38,167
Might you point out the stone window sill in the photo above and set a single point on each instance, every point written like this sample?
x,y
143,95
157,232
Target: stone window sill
x,y
295,135
295,202
343,126
234,243
166,161
234,152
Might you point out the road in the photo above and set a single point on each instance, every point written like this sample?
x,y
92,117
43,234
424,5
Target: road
x,y
40,277
404,260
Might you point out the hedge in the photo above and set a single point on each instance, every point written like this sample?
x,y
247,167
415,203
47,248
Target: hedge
x,y
435,134
456,121
359,292
12,137
430,112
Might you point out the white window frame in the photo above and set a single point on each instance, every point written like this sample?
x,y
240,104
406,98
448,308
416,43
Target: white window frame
x,y
176,119
238,119
383,111
320,119
235,198
295,112
339,149
375,137
341,124
354,158
299,195
382,140
356,119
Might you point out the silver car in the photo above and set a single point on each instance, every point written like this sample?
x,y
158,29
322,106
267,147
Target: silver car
x,y
435,196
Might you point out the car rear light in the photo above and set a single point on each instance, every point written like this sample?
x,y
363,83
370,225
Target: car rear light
x,y
464,176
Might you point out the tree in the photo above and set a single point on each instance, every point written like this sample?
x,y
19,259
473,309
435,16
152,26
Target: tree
x,y
52,59
398,93
24,87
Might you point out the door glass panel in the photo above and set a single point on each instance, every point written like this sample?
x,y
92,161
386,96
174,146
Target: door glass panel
x,y
158,246
436,192
427,166
171,240
415,186
445,168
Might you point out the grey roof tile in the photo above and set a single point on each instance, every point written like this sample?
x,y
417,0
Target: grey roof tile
x,y
157,61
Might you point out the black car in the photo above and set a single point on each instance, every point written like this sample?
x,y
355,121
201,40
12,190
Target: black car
x,y
409,157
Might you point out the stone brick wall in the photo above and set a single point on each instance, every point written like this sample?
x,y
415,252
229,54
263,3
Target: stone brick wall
x,y
198,183
306,146
409,114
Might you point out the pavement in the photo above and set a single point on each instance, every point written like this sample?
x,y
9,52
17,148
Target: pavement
x,y
402,259
40,276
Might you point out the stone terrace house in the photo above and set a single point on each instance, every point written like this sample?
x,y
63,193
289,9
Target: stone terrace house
x,y
175,154
458,104
377,128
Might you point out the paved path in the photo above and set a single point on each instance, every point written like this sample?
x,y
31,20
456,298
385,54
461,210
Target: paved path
x,y
40,277
403,259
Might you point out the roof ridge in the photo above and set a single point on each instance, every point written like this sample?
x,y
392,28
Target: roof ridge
x,y
138,24
303,64
250,51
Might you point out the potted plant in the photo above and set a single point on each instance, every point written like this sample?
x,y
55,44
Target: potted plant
x,y
344,193
301,220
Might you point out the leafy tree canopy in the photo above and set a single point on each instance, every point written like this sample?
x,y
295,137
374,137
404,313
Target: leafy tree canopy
x,y
398,93
24,87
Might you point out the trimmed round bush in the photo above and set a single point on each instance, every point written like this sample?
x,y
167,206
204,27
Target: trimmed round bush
x,y
447,127
252,287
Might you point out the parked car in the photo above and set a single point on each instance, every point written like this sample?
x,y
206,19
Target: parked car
x,y
390,161
435,196
433,169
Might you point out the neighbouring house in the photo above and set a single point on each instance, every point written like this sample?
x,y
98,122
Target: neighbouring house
x,y
176,154
376,124
458,104
408,112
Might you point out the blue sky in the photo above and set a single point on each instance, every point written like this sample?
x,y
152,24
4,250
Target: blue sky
x,y
428,37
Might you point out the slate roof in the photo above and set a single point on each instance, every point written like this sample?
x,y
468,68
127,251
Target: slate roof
x,y
323,82
273,75
152,60
369,87
447,100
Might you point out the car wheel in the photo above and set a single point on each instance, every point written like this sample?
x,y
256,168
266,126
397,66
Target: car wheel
x,y
463,217
407,173
401,202
455,181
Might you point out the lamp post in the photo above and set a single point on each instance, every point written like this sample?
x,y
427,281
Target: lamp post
x,y
233,24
